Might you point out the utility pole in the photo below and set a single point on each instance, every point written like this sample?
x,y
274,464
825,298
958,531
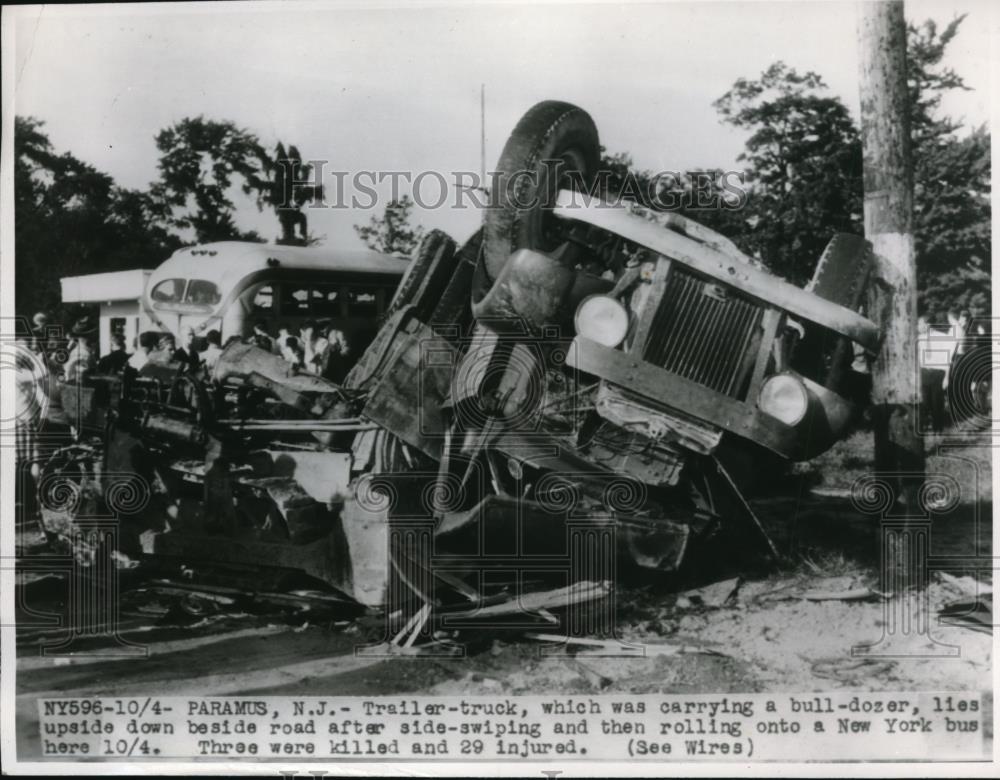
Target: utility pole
x,y
888,183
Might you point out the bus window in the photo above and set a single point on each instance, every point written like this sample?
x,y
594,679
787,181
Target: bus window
x,y
294,299
168,291
263,302
325,300
362,302
385,296
202,293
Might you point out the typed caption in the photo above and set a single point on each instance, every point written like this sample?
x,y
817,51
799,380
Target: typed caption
x,y
738,727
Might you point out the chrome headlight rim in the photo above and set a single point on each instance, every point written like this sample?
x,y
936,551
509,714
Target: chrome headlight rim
x,y
769,397
585,320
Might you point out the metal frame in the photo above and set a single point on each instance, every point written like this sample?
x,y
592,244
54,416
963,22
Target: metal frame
x,y
734,271
682,395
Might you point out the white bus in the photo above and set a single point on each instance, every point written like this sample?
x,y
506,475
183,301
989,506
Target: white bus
x,y
230,286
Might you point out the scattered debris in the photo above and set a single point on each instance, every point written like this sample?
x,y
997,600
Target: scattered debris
x,y
851,594
617,647
851,669
494,414
596,680
716,595
975,613
967,585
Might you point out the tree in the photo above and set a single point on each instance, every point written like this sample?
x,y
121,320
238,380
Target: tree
x,y
73,219
804,176
803,166
199,159
952,184
203,160
392,233
707,196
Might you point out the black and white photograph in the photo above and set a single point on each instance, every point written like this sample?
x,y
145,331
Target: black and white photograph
x,y
498,388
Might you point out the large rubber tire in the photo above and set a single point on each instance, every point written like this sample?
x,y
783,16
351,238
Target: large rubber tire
x,y
550,130
431,267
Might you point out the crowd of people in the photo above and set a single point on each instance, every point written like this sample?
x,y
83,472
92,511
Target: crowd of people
x,y
316,348
44,359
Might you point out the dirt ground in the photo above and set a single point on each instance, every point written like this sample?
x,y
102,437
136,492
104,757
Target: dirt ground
x,y
815,621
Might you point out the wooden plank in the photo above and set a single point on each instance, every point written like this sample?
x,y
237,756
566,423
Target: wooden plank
x,y
560,598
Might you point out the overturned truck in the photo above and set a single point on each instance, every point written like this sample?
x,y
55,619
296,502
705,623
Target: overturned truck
x,y
581,385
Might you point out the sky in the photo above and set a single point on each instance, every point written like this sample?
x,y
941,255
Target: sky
x,y
393,87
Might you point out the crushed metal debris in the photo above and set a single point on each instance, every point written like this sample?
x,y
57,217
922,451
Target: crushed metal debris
x,y
572,391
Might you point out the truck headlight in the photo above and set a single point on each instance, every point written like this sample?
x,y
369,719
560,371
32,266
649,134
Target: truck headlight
x,y
602,319
785,398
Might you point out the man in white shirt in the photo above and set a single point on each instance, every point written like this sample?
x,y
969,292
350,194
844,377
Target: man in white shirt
x,y
935,349
210,357
313,348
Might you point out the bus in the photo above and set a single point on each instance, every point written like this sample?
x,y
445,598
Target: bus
x,y
231,286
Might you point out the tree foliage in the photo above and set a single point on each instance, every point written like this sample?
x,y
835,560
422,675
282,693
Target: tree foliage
x,y
392,233
711,196
951,210
204,163
201,161
72,219
803,160
803,167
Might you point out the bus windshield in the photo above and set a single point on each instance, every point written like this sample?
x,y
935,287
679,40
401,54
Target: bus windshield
x,y
194,294
202,293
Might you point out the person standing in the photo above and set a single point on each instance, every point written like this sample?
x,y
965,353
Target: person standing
x,y
187,354
960,388
281,340
39,328
314,348
80,360
213,349
30,407
166,346
116,360
336,362
146,343
260,337
934,350
292,351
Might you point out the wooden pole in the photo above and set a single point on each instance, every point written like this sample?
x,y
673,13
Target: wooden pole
x,y
888,205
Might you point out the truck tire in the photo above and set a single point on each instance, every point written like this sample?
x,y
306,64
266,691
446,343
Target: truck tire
x,y
431,266
517,218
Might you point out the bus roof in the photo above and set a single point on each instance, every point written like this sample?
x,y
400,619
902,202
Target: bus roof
x,y
226,262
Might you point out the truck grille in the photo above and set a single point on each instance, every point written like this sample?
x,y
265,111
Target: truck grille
x,y
702,332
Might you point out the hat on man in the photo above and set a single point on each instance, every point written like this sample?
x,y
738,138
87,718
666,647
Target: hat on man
x,y
82,327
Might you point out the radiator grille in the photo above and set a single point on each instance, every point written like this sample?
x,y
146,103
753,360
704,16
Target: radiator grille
x,y
702,331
